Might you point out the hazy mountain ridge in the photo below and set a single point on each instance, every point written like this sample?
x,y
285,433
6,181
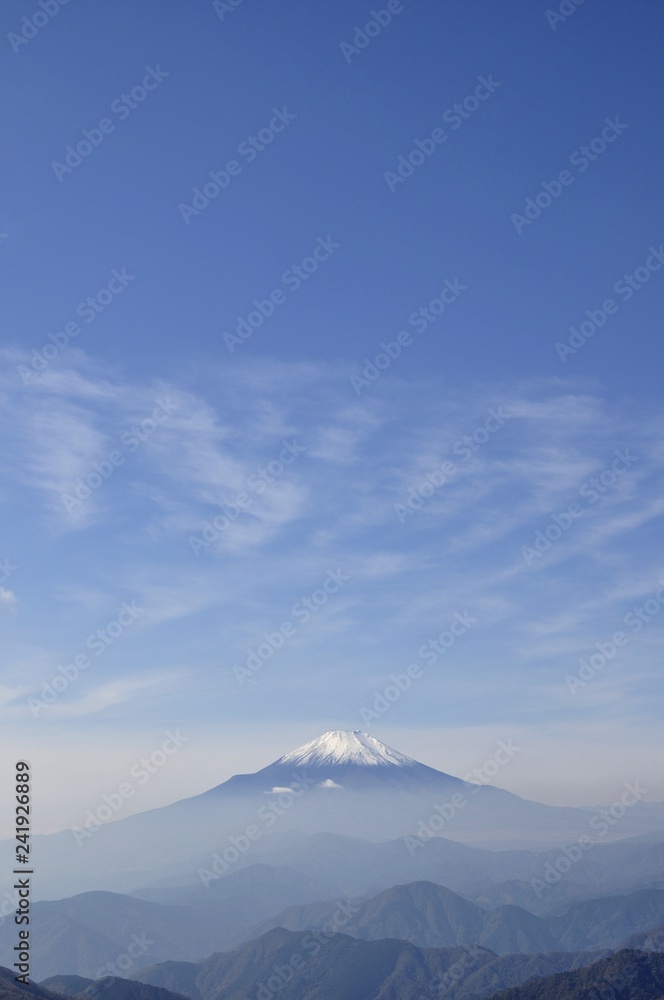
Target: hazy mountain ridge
x,y
429,915
106,988
360,867
629,975
301,967
116,988
209,919
11,990
343,968
85,935
349,784
68,986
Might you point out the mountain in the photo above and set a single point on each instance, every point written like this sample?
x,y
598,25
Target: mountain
x,y
11,990
106,988
359,867
85,934
519,893
355,866
606,922
651,940
344,783
627,975
60,944
101,933
341,749
116,988
350,760
252,893
424,914
296,966
67,986
604,869
430,915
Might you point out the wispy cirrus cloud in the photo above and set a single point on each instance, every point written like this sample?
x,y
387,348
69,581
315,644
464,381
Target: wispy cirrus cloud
x,y
284,476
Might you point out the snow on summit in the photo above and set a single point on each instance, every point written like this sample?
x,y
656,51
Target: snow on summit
x,y
346,747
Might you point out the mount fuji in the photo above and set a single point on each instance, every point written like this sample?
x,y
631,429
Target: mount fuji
x,y
342,760
342,783
340,748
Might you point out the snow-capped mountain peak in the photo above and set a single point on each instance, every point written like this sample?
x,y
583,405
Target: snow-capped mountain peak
x,y
343,747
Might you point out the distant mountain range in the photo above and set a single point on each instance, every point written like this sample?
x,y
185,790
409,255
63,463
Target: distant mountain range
x,y
84,935
344,783
292,967
296,967
346,869
344,969
11,990
432,916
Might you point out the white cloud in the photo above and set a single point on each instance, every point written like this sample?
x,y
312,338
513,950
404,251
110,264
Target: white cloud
x,y
334,506
7,598
102,697
9,694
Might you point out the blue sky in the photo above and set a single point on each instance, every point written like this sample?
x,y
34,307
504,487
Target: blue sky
x,y
151,384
